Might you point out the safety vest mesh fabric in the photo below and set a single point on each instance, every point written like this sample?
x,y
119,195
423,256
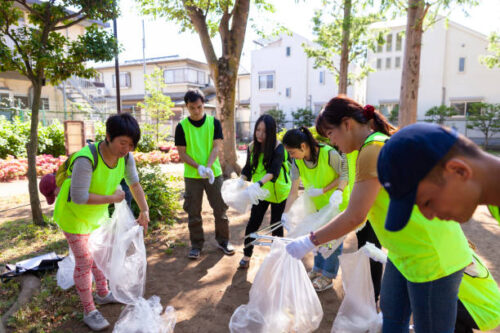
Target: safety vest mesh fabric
x,y
425,250
83,218
351,167
199,144
495,212
481,297
278,190
318,177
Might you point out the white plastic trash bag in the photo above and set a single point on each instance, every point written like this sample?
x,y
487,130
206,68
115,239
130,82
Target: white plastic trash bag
x,y
313,221
300,209
145,316
65,271
282,298
118,250
240,197
358,312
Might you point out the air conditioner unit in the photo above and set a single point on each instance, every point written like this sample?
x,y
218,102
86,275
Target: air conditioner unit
x,y
100,91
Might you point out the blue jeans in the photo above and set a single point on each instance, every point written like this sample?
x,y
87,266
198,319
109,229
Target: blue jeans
x,y
329,266
434,303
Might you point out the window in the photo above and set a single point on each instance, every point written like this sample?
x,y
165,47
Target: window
x,y
184,75
379,63
388,46
322,77
387,108
4,101
461,64
399,41
380,48
44,104
21,102
288,51
124,80
397,62
266,107
288,92
463,108
266,81
387,63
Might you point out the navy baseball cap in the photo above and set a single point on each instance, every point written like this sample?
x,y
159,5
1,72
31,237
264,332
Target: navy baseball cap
x,y
406,158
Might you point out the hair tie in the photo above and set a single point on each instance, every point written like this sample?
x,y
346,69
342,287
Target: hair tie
x,y
368,111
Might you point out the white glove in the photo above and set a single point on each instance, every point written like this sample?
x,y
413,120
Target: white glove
x,y
241,183
201,171
285,220
336,198
210,174
300,247
253,192
314,192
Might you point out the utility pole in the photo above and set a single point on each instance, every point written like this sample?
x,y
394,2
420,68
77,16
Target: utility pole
x,y
117,66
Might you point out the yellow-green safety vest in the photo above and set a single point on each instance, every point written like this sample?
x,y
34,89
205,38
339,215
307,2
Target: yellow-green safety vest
x,y
351,167
481,297
425,250
319,176
278,190
495,212
83,218
199,144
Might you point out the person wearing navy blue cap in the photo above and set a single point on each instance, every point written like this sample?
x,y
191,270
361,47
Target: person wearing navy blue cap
x,y
445,174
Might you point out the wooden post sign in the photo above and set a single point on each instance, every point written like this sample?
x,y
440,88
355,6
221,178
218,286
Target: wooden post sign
x,y
74,136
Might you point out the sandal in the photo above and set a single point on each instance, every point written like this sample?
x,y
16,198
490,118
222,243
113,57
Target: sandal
x,y
313,275
322,283
244,264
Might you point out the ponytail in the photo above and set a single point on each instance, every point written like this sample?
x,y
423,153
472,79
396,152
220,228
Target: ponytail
x,y
295,137
341,106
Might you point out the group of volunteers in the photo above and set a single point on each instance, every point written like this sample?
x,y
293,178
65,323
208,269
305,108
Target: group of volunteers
x,y
403,185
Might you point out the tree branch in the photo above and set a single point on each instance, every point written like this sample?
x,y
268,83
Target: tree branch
x,y
29,70
28,8
61,27
224,31
238,26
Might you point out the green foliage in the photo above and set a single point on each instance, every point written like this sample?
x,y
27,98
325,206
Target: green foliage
x,y
329,26
99,131
156,104
303,117
394,115
162,198
439,114
148,139
51,139
493,59
486,118
279,117
313,131
15,133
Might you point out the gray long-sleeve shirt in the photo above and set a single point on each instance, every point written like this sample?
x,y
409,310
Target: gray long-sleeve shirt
x,y
82,175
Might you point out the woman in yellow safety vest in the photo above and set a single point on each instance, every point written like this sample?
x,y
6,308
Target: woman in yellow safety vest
x,y
267,166
426,260
93,176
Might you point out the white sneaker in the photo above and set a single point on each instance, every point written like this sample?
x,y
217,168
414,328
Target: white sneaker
x,y
109,298
95,321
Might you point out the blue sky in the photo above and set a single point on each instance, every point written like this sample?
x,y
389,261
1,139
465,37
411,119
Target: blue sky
x,y
163,38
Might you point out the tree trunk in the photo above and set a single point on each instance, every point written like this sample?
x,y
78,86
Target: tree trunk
x,y
32,148
411,63
226,90
344,55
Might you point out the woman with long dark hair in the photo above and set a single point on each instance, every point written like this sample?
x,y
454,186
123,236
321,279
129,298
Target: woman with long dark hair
x,y
267,166
426,260
323,172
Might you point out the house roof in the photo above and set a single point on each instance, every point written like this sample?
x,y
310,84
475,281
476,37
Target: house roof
x,y
149,61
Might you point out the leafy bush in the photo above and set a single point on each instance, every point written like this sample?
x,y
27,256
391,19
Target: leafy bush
x,y
313,131
148,140
279,117
13,137
99,131
303,117
51,139
162,198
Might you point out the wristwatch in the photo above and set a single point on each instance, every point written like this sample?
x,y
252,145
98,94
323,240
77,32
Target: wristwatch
x,y
260,183
314,239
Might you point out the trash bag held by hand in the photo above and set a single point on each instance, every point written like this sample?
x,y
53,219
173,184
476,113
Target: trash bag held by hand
x,y
358,312
300,209
118,250
238,197
282,298
144,316
313,221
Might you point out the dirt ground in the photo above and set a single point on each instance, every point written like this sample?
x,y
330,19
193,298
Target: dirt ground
x,y
206,292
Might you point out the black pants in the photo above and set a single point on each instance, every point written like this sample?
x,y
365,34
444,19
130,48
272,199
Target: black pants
x,y
464,323
368,235
256,217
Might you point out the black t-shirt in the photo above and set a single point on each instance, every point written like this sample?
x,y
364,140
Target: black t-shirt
x,y
180,137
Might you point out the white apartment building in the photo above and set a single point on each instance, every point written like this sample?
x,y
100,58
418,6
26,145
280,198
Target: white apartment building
x,y
284,78
450,71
